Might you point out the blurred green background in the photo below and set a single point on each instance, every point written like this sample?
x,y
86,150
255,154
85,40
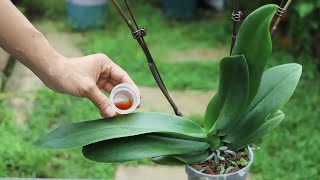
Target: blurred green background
x,y
289,152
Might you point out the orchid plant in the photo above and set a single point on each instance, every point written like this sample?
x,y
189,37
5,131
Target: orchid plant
x,y
245,108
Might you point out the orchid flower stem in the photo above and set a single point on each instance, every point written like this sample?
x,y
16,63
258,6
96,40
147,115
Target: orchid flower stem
x,y
236,8
278,20
287,4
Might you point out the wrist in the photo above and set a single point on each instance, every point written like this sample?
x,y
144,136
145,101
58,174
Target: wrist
x,y
52,70
38,55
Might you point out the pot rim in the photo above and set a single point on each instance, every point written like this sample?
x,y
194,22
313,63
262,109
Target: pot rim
x,y
251,157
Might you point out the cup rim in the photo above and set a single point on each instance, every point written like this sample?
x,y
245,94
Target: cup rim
x,y
132,90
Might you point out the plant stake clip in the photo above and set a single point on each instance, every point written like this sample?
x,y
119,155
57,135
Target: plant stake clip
x,y
236,17
138,34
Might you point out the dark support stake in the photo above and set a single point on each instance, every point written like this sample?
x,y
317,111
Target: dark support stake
x,y
7,72
138,34
236,17
281,12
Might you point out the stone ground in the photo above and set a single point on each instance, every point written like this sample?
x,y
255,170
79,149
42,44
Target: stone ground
x,y
198,54
148,173
23,84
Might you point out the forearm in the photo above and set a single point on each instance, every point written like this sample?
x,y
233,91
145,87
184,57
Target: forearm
x,y
22,40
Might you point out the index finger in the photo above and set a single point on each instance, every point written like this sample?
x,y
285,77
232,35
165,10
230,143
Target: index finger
x,y
118,76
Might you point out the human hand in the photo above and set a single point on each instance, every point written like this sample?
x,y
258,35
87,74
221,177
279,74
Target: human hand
x,y
86,77
83,76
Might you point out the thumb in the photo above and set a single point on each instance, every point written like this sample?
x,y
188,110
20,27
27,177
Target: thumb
x,y
101,101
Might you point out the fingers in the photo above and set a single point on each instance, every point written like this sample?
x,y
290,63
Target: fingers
x,y
108,87
117,74
114,76
101,101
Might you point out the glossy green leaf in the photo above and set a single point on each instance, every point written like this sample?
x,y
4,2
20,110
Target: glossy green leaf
x,y
212,112
254,42
232,95
181,159
141,146
192,157
277,86
84,133
270,123
167,160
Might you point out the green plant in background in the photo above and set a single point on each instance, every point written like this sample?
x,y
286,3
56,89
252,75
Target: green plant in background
x,y
304,27
246,107
53,9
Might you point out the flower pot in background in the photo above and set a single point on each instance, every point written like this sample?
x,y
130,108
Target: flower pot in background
x,y
239,175
86,14
178,9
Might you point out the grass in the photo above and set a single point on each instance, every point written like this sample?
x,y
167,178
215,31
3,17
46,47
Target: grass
x,y
164,37
19,158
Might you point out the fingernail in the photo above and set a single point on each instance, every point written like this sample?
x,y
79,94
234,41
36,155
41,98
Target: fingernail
x,y
110,112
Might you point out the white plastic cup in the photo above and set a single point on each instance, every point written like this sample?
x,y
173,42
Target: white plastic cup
x,y
125,94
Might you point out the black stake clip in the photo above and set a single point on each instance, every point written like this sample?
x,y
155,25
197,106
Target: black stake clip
x,y
236,16
139,33
281,12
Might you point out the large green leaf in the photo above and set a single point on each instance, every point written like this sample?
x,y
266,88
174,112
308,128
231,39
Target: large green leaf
x,y
232,95
270,123
212,112
84,133
167,160
141,146
182,158
192,157
254,42
277,86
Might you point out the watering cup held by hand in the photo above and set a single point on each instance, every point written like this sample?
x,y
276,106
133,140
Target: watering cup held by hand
x,y
124,98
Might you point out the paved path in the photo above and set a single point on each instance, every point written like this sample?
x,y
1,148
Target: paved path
x,y
197,54
150,173
4,57
154,173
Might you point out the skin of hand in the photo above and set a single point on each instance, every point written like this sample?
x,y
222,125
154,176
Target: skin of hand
x,y
86,77
83,76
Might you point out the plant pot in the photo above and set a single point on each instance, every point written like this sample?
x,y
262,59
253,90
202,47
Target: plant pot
x,y
180,10
86,14
239,175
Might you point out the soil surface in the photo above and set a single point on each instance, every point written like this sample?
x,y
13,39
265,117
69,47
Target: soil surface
x,y
226,164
